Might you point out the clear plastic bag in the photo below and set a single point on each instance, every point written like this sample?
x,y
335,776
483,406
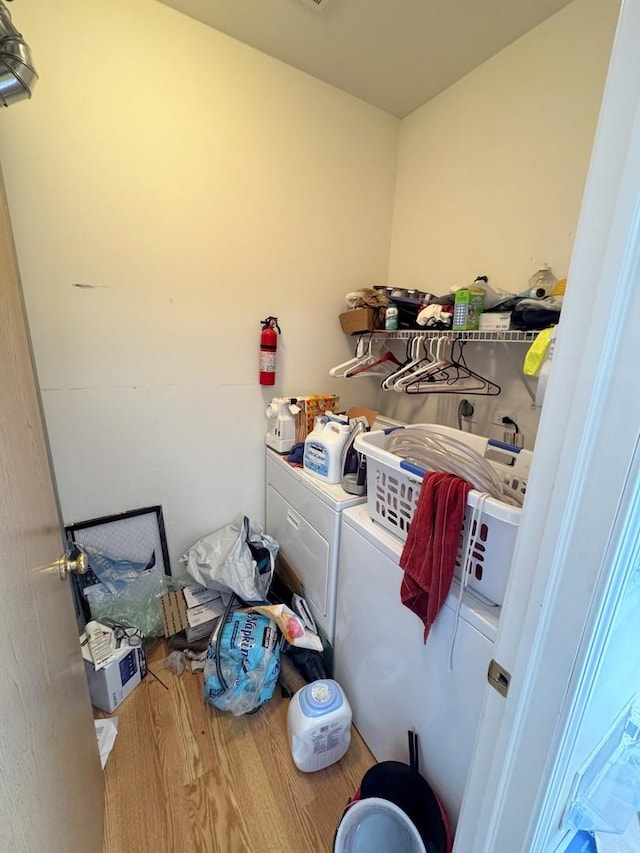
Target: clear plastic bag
x,y
175,663
137,604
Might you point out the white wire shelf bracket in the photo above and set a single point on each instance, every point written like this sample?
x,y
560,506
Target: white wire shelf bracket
x,y
505,336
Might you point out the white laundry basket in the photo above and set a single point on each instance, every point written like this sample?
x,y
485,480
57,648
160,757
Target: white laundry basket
x,y
393,487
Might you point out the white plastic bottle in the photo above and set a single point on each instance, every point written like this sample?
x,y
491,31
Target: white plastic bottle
x,y
391,317
323,451
318,725
542,282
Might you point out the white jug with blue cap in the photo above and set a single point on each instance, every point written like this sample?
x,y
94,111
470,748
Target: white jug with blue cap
x,y
319,725
323,448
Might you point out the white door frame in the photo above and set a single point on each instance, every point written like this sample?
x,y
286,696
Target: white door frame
x,y
584,448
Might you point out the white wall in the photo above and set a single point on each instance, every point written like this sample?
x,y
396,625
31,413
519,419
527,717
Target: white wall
x,y
200,185
490,181
196,185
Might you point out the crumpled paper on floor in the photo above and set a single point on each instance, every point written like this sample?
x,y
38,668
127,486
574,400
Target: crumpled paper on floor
x,y
106,732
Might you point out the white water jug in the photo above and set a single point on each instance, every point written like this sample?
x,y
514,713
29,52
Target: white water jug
x,y
323,451
318,725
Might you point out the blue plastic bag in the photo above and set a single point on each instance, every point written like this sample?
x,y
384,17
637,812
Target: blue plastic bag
x,y
115,572
246,672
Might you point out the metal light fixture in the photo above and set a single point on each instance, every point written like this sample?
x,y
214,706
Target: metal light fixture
x,y
17,74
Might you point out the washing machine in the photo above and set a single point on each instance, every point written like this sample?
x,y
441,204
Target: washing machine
x,y
303,513
393,681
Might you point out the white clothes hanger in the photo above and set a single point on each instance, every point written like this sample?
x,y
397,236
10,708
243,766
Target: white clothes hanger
x,y
375,363
369,360
446,385
338,372
414,348
454,377
438,361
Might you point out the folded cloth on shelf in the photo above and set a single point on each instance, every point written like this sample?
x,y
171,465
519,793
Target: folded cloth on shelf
x,y
435,316
429,555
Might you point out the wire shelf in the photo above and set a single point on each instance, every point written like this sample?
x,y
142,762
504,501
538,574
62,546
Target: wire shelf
x,y
506,336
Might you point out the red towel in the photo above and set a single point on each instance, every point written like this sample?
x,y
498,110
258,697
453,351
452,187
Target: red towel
x,y
429,554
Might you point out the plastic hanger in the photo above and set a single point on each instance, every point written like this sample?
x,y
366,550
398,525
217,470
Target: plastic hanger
x,y
414,348
438,361
369,360
374,366
492,389
453,377
338,372
418,365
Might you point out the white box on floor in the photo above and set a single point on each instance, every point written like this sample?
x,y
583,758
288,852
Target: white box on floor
x,y
195,595
202,619
110,686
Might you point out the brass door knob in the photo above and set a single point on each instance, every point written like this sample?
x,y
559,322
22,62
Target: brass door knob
x,y
77,564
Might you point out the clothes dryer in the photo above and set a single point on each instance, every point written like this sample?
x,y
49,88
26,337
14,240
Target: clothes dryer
x,y
394,682
303,514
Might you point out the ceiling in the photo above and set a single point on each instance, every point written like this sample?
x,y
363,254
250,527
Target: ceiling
x,y
394,54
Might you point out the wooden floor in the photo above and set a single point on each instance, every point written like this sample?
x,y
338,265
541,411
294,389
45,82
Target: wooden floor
x,y
184,777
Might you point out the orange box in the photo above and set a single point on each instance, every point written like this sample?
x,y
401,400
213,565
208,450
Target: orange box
x,y
310,407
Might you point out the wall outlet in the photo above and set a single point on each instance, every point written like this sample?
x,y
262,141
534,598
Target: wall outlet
x,y
500,414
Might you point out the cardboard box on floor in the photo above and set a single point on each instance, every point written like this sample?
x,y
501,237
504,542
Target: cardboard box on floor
x,y
194,610
110,685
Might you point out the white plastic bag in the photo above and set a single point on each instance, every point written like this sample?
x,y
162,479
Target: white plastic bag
x,y
292,627
236,557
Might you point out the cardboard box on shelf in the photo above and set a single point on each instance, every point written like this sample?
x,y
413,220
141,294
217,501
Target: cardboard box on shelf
x,y
360,320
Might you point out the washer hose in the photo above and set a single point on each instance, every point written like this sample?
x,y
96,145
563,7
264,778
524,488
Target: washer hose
x,y
434,451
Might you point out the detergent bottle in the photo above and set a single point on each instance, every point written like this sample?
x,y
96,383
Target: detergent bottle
x,y
323,450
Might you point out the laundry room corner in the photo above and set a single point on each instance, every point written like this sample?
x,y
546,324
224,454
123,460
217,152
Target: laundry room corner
x,y
290,482
156,224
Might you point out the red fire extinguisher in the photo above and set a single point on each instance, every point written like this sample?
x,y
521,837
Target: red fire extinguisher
x,y
268,346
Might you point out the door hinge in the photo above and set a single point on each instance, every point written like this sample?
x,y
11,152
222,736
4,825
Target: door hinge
x,y
499,678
